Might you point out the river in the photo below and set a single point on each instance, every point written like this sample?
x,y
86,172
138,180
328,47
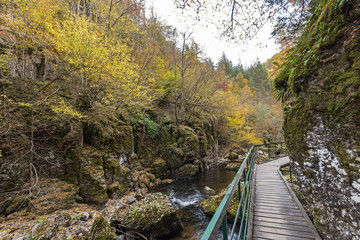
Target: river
x,y
187,194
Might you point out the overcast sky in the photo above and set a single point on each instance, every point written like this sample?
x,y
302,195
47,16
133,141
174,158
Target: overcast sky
x,y
261,47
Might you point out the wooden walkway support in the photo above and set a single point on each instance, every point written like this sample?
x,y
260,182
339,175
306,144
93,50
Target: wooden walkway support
x,y
277,213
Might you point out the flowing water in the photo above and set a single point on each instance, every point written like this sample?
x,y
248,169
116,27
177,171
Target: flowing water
x,y
187,194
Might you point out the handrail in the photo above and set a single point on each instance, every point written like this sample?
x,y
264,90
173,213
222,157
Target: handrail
x,y
243,181
301,208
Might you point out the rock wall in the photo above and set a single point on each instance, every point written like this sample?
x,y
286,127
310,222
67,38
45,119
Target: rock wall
x,y
320,84
108,155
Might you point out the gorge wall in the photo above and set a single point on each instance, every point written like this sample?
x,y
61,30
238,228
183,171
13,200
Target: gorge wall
x,y
320,92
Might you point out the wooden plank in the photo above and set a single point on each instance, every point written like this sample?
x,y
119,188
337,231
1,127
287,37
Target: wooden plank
x,y
300,228
280,201
285,232
300,222
270,215
271,236
278,195
278,212
276,203
287,207
274,198
277,207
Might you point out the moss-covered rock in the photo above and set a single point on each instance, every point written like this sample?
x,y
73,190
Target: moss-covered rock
x,y
56,195
44,230
91,177
14,205
187,170
154,215
160,167
210,205
185,149
101,230
116,190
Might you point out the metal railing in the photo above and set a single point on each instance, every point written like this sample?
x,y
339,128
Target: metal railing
x,y
244,183
282,170
274,149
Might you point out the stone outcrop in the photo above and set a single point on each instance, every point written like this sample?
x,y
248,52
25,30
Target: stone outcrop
x,y
153,215
320,84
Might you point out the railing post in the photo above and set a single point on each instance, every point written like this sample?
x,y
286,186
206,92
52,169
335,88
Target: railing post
x,y
224,227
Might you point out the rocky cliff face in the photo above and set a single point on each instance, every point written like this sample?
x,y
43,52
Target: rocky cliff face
x,y
320,90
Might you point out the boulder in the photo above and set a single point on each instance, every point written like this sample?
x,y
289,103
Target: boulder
x,y
92,178
233,166
208,190
153,215
44,230
188,170
160,167
101,230
210,205
233,155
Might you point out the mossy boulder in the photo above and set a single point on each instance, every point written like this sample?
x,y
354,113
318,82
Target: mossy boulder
x,y
153,215
115,172
44,230
184,149
56,195
14,205
116,190
188,170
91,177
210,205
160,167
101,230
106,130
233,155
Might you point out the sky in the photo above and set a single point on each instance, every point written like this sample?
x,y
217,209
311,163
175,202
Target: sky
x,y
260,47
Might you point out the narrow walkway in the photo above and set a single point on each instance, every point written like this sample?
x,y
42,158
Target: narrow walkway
x,y
276,213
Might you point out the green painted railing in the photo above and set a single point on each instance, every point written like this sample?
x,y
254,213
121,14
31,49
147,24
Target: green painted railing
x,y
244,183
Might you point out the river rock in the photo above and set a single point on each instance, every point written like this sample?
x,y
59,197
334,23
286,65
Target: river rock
x,y
210,205
188,170
85,216
131,200
233,155
208,190
233,166
153,215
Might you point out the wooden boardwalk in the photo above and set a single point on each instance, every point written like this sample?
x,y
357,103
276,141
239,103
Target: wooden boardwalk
x,y
277,214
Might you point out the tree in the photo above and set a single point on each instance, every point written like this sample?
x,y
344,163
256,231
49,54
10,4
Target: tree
x,y
241,20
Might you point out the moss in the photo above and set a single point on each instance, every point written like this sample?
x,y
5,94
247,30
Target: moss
x,y
211,204
324,28
347,162
188,170
44,230
116,189
91,177
101,230
309,174
160,167
144,214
